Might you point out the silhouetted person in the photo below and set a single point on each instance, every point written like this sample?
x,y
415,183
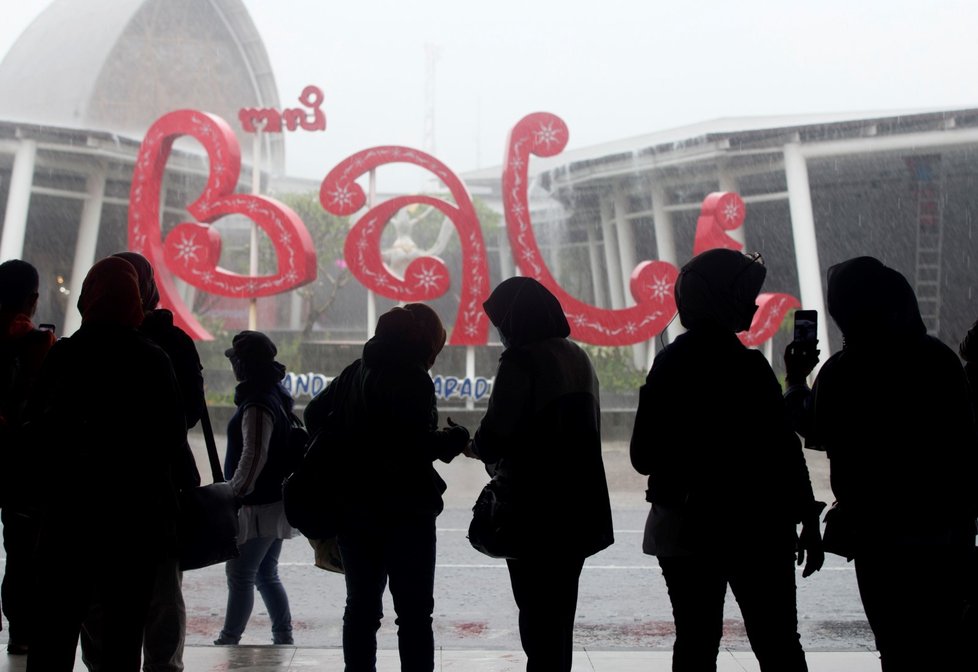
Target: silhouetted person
x,y
892,411
22,350
166,624
968,349
728,481
107,418
390,492
541,434
256,463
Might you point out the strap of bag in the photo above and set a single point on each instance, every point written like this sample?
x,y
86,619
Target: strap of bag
x,y
205,422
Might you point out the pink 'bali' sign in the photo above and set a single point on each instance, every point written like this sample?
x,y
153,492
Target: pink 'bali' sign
x,y
191,250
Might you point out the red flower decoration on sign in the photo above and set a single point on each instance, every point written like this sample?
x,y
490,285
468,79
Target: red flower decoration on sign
x,y
651,284
191,250
725,211
425,277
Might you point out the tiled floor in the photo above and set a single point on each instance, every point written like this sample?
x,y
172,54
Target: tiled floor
x,y
288,659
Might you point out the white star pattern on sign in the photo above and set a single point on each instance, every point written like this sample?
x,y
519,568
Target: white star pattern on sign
x,y
527,255
660,289
428,279
546,135
471,329
291,276
731,211
630,328
206,277
286,238
342,196
578,320
187,249
516,163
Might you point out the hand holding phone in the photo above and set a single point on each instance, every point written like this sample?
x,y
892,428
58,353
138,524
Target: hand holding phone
x,y
806,327
801,355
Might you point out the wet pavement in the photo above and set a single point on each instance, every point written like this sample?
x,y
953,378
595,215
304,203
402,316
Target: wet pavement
x,y
289,659
623,604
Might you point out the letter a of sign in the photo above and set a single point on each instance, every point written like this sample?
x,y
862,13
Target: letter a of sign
x,y
425,278
651,284
191,250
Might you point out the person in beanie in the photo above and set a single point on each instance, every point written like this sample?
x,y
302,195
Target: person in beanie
x,y
255,465
390,493
727,480
107,417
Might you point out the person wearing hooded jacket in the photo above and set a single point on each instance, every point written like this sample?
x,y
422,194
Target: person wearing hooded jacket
x,y
541,435
384,408
727,480
113,446
166,623
256,463
892,411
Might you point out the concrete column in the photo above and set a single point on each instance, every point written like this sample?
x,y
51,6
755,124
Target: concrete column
x,y
18,201
85,245
806,247
665,243
600,294
626,252
506,264
728,183
295,310
626,243
612,263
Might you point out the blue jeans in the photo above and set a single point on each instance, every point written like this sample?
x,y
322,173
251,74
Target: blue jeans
x,y
404,553
256,566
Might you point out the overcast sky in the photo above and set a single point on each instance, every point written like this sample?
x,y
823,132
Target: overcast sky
x,y
611,68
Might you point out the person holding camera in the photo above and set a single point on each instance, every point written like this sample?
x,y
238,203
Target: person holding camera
x,y
727,480
892,410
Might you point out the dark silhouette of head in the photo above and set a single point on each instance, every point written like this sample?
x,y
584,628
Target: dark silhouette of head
x,y
717,289
417,327
871,302
110,294
252,356
524,312
19,284
148,291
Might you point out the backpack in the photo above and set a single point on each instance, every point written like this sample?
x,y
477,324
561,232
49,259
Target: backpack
x,y
296,444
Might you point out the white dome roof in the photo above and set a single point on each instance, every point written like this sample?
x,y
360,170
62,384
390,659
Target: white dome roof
x,y
118,65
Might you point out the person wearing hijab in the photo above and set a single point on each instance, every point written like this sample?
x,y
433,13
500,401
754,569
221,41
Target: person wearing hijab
x,y
893,412
541,436
256,463
383,413
727,480
106,415
166,624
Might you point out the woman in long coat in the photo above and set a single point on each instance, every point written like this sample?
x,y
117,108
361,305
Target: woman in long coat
x,y
541,435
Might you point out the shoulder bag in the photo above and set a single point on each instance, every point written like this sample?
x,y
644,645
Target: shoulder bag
x,y
208,521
